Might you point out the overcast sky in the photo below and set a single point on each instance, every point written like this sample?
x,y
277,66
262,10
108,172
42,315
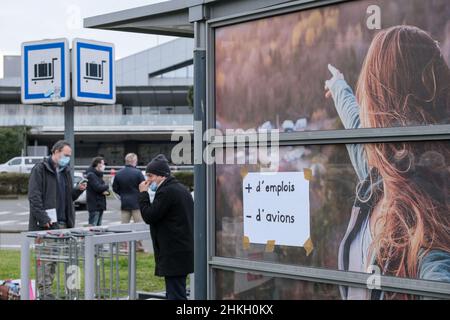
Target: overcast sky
x,y
28,20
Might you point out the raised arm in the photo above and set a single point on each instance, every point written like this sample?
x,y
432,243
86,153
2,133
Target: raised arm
x,y
348,110
152,212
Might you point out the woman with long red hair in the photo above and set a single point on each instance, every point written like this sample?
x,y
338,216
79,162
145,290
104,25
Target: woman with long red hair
x,y
400,220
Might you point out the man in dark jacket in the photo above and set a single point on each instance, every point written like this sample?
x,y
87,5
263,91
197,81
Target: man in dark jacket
x,y
51,188
126,185
170,217
51,195
97,190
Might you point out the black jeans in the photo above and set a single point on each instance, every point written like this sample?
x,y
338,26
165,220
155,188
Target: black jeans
x,y
176,288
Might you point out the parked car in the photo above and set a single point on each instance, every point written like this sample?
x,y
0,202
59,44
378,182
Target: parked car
x,y
20,164
81,202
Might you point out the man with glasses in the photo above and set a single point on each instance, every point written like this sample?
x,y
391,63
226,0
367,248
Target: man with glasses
x,y
51,195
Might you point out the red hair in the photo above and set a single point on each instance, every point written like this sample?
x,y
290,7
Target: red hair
x,y
405,81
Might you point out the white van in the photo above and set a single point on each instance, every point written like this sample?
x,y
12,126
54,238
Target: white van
x,y
81,202
20,164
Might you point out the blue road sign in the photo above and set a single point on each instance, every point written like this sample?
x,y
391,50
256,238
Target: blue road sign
x,y
93,72
45,71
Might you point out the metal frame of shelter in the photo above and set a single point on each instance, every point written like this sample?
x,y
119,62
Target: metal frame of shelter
x,y
199,19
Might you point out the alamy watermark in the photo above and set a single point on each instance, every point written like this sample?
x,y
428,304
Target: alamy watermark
x,y
74,19
374,281
373,21
73,281
234,146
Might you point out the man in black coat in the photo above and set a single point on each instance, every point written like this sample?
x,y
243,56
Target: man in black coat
x,y
170,217
51,195
96,192
50,189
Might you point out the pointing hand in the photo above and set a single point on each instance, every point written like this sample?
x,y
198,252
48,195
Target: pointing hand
x,y
336,75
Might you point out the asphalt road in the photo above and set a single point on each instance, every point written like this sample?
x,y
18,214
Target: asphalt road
x,y
14,215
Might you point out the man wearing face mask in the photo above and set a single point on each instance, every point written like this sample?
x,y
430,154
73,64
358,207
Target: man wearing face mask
x,y
51,195
97,190
170,217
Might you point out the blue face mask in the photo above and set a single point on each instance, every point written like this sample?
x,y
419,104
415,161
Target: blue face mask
x,y
63,161
153,186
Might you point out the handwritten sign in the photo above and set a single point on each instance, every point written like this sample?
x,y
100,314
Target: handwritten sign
x,y
276,207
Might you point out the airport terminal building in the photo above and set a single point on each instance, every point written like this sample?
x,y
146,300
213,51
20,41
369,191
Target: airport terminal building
x,y
152,101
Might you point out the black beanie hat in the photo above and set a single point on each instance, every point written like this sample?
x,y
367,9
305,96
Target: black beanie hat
x,y
159,166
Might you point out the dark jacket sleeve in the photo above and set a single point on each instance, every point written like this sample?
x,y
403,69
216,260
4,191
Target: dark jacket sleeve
x,y
116,186
35,196
95,183
154,212
76,193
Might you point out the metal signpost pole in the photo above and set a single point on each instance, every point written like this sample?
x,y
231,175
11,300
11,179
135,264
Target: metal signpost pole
x,y
69,129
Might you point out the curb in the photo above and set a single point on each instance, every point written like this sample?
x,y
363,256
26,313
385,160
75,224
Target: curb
x,y
9,197
12,231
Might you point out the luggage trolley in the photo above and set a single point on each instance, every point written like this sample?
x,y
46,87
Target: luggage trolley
x,y
107,264
90,252
59,251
